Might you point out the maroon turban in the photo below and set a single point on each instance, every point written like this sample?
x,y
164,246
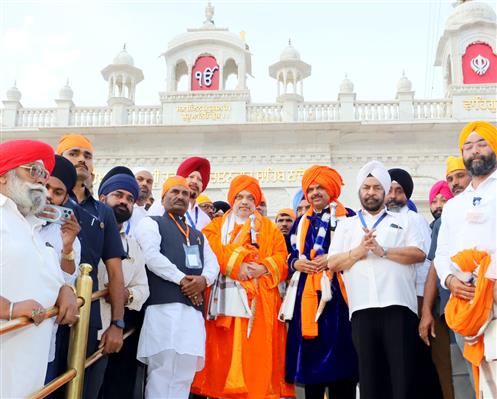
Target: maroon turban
x,y
198,164
15,153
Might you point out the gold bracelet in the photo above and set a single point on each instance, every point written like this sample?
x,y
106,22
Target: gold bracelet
x,y
69,257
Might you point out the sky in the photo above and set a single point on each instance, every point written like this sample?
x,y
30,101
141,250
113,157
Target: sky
x,y
44,43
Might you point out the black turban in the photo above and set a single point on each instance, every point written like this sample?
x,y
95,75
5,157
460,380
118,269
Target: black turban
x,y
224,206
65,172
404,179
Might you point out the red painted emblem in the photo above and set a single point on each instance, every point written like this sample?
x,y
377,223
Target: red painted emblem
x,y
479,64
205,74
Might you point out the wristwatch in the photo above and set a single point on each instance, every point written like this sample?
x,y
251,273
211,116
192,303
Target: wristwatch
x,y
118,323
69,256
385,252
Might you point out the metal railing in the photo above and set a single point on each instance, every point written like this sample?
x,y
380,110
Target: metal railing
x,y
77,361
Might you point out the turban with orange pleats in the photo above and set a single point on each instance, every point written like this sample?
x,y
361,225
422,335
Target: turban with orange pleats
x,y
483,129
327,178
71,141
244,183
172,182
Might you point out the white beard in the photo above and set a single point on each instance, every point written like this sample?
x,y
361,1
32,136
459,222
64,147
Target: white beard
x,y
30,198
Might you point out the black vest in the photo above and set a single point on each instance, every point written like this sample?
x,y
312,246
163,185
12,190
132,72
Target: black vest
x,y
171,246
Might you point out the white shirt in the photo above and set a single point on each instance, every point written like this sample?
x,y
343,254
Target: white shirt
x,y
171,326
139,212
50,233
28,270
422,268
466,226
376,282
135,280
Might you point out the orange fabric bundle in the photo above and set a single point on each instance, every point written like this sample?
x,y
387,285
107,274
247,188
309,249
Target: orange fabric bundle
x,y
327,178
467,317
244,182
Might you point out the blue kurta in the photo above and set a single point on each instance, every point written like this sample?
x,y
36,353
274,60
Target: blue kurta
x,y
331,355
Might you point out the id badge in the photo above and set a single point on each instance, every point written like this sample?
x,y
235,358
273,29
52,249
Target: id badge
x,y
192,254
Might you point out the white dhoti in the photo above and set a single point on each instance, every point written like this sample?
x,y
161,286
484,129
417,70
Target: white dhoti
x,y
172,344
170,375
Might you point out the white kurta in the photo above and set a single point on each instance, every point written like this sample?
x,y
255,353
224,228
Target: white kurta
x,y
375,282
171,326
467,223
50,233
139,212
135,280
28,270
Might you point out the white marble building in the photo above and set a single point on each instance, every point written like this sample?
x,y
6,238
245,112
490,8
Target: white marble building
x,y
206,110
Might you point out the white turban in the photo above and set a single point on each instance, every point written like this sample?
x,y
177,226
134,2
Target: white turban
x,y
375,169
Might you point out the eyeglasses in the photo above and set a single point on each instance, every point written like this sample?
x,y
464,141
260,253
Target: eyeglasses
x,y
206,206
36,171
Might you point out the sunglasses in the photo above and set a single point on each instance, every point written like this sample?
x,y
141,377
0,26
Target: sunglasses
x,y
36,171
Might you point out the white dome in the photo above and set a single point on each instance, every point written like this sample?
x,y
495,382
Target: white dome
x,y
13,94
66,92
123,58
404,84
468,12
289,54
346,86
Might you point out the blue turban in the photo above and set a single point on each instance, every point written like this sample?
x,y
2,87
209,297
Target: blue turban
x,y
299,196
120,181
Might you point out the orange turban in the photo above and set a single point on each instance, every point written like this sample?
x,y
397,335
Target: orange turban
x,y
172,182
286,211
244,182
327,178
73,140
483,129
454,163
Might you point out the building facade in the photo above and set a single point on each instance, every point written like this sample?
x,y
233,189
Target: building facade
x,y
206,110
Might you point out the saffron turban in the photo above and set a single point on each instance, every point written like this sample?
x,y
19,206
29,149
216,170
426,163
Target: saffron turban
x,y
326,177
440,187
203,199
198,164
65,172
15,153
172,182
286,211
404,179
483,129
121,181
244,183
73,140
377,170
454,163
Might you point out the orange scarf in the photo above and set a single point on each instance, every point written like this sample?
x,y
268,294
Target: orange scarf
x,y
312,285
467,317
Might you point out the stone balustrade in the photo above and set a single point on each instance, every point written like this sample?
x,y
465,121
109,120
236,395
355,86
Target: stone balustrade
x,y
132,115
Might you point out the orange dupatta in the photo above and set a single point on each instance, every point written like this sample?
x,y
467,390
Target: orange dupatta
x,y
467,317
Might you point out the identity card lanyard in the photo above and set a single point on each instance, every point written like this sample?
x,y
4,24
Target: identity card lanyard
x,y
361,217
190,218
185,233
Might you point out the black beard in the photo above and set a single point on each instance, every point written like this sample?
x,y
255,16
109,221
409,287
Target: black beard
x,y
436,213
482,169
372,207
122,214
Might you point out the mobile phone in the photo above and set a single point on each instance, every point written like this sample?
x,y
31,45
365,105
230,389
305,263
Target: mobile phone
x,y
55,214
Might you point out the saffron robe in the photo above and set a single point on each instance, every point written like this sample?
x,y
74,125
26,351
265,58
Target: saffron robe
x,y
237,366
331,355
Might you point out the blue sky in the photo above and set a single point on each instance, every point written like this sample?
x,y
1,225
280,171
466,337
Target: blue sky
x,y
45,42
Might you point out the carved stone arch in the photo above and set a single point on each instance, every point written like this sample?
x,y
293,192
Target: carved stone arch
x,y
181,72
230,74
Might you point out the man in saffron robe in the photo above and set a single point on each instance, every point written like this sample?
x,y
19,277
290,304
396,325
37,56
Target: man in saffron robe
x,y
245,355
319,354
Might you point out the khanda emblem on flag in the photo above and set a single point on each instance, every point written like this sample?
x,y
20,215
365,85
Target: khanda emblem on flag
x,y
205,74
480,64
